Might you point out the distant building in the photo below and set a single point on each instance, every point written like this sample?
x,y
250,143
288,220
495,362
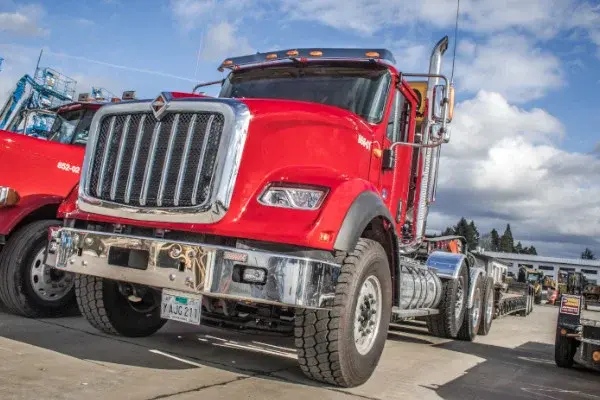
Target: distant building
x,y
549,265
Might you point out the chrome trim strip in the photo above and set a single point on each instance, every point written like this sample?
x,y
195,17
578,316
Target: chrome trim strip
x,y
111,130
184,158
149,164
136,152
235,130
198,268
117,171
167,162
201,160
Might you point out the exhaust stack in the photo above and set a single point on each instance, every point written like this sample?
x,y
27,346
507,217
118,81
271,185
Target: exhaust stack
x,y
430,156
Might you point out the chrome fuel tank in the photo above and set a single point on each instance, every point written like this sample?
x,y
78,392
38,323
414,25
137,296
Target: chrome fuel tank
x,y
420,287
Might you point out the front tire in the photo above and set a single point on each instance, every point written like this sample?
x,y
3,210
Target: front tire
x,y
564,350
27,286
452,307
342,346
108,310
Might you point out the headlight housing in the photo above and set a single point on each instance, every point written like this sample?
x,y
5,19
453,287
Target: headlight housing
x,y
8,196
299,197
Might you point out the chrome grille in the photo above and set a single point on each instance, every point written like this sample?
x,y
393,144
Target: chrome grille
x,y
142,162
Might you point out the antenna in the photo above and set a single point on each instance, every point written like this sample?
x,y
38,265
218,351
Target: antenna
x,y
38,63
455,41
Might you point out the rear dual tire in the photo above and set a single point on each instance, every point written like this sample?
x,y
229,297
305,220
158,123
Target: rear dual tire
x,y
453,306
473,316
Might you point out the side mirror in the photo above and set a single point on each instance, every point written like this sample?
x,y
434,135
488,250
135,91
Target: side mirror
x,y
442,100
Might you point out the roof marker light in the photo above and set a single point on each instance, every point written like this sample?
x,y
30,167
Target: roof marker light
x,y
271,56
292,53
316,53
372,54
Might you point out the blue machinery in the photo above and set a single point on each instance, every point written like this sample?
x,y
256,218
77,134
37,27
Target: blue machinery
x,y
27,109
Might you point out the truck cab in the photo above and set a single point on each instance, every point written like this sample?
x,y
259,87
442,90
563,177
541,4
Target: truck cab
x,y
296,200
42,172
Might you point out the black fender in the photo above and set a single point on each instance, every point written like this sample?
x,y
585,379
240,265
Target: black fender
x,y
366,207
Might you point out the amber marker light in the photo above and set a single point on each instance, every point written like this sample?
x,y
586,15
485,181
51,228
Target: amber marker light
x,y
596,356
325,237
271,56
316,53
292,53
372,54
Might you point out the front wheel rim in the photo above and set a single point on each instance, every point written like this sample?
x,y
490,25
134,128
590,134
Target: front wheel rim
x,y
48,283
367,315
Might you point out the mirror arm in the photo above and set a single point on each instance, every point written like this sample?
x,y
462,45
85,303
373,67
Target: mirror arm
x,y
207,84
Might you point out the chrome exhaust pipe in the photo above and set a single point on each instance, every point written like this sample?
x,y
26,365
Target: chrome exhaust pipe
x,y
430,156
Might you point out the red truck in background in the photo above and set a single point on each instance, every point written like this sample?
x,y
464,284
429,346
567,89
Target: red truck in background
x,y
36,175
296,201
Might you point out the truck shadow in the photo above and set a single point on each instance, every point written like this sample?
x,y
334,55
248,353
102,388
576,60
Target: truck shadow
x,y
525,372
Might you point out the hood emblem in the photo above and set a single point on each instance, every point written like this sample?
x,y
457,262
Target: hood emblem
x,y
159,106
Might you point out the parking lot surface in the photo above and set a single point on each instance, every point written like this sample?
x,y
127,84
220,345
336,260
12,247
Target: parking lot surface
x,y
68,359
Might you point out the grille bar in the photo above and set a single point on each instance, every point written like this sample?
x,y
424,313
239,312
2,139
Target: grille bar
x,y
106,154
167,162
149,163
201,159
184,160
113,187
136,152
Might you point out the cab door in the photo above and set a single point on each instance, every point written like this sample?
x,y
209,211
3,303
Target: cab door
x,y
400,180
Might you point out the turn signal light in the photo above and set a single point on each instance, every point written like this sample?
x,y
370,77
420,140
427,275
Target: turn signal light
x,y
8,197
596,356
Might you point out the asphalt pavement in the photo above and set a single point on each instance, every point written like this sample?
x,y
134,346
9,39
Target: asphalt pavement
x,y
66,358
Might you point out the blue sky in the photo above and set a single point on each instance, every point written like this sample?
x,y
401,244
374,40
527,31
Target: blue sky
x,y
526,74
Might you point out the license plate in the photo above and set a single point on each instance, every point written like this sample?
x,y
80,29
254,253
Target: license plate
x,y
182,307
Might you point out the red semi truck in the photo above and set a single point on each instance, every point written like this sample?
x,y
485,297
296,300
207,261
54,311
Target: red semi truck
x,y
296,200
37,174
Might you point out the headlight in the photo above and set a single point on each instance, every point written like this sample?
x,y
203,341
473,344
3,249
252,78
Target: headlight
x,y
298,197
8,197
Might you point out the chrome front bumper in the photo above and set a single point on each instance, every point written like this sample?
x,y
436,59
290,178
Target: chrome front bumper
x,y
216,271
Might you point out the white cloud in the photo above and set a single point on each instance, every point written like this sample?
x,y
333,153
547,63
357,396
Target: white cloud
x,y
510,65
221,40
501,166
25,21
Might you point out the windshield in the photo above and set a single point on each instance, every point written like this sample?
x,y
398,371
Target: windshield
x,y
361,90
533,278
72,127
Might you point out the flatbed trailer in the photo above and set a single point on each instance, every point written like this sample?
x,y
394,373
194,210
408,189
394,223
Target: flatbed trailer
x,y
577,333
509,297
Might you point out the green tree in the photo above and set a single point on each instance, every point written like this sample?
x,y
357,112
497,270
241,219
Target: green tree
x,y
485,242
473,235
448,232
507,243
533,251
588,254
519,248
495,238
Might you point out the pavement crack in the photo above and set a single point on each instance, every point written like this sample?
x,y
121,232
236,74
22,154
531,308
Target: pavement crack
x,y
200,388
